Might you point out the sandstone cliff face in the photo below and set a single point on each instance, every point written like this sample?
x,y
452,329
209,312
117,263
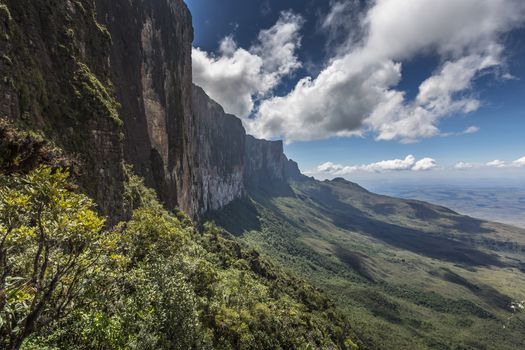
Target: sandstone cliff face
x,y
265,161
151,71
196,156
230,162
220,152
54,69
109,81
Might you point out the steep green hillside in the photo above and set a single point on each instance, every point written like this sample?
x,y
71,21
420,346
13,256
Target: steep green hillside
x,y
410,275
153,282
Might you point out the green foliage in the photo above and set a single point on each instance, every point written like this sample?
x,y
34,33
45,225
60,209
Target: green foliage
x,y
136,194
93,96
21,151
49,242
250,296
437,302
153,282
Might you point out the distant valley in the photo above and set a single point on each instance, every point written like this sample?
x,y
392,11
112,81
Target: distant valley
x,y
408,274
494,203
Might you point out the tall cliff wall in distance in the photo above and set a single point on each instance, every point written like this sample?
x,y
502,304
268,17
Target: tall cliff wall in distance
x,y
265,162
230,162
221,152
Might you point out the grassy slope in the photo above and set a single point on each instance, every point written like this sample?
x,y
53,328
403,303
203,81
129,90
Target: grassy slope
x,y
410,275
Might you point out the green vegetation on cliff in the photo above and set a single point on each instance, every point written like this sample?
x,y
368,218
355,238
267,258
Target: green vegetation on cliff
x,y
153,282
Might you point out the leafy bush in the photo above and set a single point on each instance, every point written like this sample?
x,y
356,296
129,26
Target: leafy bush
x,y
49,248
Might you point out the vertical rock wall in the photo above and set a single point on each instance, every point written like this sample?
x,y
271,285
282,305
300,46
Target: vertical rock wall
x,y
109,81
230,162
55,78
220,151
265,161
151,71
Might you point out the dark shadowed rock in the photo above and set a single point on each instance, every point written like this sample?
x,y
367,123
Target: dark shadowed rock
x,y
55,69
151,71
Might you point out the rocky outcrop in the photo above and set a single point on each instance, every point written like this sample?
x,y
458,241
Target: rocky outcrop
x,y
233,163
292,171
21,152
265,162
230,162
221,153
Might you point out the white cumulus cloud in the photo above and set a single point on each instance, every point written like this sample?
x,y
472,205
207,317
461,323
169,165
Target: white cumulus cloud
x,y
236,77
519,162
424,164
496,163
329,167
464,165
356,91
410,163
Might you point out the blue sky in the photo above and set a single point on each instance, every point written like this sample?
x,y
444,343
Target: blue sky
x,y
471,116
